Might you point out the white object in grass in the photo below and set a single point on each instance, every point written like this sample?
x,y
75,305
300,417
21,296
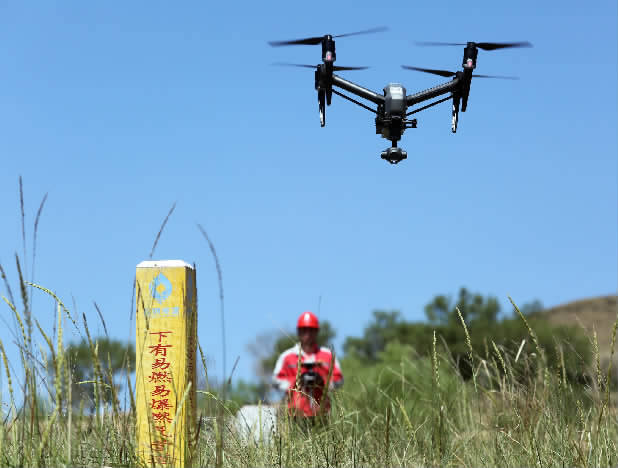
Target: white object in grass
x,y
256,421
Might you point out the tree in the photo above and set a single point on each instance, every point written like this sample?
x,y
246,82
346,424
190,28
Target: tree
x,y
481,317
532,308
387,327
113,357
473,308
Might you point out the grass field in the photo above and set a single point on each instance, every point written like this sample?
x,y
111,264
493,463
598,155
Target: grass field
x,y
515,411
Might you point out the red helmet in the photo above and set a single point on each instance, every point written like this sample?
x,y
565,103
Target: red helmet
x,y
307,320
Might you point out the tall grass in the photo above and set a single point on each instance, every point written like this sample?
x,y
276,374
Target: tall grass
x,y
517,410
415,411
409,411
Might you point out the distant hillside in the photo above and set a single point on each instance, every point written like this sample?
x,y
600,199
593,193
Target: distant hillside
x,y
597,313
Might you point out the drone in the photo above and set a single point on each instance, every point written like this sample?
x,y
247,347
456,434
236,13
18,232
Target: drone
x,y
391,107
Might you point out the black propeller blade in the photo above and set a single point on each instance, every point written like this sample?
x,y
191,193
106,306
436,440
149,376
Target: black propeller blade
x,y
339,68
480,45
318,39
285,64
366,31
306,41
335,67
502,77
447,73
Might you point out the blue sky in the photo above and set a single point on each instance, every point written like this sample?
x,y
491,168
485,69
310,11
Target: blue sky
x,y
118,111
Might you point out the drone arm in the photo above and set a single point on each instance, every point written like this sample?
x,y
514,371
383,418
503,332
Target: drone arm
x,y
435,103
354,101
358,90
433,92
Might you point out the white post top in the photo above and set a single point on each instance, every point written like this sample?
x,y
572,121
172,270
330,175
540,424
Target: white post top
x,y
163,264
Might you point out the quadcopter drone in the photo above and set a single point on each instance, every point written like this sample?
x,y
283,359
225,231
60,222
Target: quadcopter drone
x,y
392,106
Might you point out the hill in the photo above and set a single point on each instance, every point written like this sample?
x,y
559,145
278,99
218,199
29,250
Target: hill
x,y
597,313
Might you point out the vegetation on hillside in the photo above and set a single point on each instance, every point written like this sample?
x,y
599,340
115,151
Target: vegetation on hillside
x,y
407,400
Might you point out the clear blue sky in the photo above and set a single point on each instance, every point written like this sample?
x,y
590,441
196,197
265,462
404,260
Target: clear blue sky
x,y
117,111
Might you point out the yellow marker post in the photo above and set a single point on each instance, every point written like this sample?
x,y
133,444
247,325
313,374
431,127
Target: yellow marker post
x,y
166,328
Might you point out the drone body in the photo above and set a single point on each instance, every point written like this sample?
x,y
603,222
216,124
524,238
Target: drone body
x,y
391,107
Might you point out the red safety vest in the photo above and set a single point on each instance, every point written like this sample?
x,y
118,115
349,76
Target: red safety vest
x,y
284,377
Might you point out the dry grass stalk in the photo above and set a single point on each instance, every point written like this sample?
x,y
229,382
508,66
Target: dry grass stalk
x,y
530,331
57,299
25,301
96,306
469,344
7,285
36,230
8,376
23,214
156,241
59,362
18,317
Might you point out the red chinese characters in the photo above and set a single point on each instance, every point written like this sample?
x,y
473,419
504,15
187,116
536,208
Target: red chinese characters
x,y
162,410
159,377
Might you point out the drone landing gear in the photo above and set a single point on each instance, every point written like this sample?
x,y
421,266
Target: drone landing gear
x,y
455,113
321,98
394,154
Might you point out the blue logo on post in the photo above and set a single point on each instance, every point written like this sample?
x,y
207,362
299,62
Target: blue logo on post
x,y
160,288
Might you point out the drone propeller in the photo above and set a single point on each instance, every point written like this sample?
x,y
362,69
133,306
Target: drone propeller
x,y
480,45
335,67
444,73
365,31
501,77
447,73
318,39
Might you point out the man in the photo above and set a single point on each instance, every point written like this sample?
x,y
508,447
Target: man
x,y
305,387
